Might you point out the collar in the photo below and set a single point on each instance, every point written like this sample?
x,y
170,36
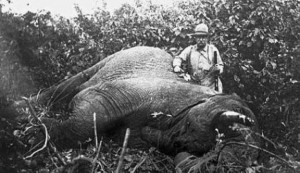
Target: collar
x,y
205,48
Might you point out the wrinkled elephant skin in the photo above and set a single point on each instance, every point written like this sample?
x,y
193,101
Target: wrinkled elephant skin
x,y
136,88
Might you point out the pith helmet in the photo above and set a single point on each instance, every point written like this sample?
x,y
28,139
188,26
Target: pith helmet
x,y
200,29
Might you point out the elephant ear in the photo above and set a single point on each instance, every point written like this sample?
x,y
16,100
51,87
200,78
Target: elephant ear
x,y
157,95
185,96
167,97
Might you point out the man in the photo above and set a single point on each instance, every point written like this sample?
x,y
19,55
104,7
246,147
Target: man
x,y
203,61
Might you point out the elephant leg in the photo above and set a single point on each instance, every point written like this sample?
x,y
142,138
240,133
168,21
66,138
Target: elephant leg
x,y
78,129
69,133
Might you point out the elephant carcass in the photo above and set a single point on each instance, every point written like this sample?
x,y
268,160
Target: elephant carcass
x,y
136,89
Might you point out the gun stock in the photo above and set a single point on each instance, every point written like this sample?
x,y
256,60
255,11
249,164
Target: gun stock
x,y
216,77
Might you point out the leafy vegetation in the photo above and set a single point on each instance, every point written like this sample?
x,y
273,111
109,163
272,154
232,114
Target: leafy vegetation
x,y
258,41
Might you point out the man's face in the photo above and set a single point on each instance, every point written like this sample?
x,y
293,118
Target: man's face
x,y
201,40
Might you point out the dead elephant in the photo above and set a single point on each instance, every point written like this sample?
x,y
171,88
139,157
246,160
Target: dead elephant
x,y
136,88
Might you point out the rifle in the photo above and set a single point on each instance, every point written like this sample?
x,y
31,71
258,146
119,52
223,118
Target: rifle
x,y
216,76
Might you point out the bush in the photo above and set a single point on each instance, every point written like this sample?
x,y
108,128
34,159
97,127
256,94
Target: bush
x,y
258,41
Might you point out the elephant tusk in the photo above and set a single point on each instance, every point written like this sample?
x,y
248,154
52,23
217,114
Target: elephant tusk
x,y
232,116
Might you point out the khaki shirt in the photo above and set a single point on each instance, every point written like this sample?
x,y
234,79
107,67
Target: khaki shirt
x,y
200,60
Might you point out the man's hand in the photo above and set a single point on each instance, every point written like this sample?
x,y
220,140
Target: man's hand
x,y
185,76
217,69
177,69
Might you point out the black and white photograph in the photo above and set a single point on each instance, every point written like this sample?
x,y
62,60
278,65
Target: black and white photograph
x,y
149,86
